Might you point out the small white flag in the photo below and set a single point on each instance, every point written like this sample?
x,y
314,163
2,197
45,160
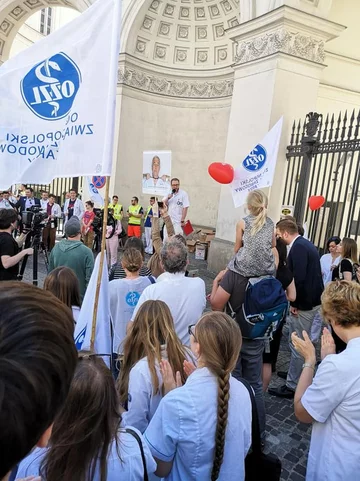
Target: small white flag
x,y
95,196
257,169
57,101
83,327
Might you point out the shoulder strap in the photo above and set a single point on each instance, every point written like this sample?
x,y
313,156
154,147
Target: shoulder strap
x,y
255,426
151,279
137,437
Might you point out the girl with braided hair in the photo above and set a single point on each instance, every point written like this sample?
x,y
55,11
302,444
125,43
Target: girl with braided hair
x,y
201,431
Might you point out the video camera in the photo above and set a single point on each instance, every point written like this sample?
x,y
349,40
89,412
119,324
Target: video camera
x,y
33,218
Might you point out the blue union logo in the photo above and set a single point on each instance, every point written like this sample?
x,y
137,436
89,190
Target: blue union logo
x,y
50,87
256,159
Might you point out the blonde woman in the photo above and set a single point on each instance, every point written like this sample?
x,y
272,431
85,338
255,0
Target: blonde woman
x,y
255,240
330,399
202,430
151,339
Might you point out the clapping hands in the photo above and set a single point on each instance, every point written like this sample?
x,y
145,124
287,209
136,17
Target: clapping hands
x,y
169,380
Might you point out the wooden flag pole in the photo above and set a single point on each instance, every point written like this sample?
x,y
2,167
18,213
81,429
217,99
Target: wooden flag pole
x,y
102,258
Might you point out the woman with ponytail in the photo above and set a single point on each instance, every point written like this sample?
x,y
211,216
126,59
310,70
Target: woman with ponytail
x,y
255,240
201,431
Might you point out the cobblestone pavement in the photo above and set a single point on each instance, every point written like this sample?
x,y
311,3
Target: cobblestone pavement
x,y
286,437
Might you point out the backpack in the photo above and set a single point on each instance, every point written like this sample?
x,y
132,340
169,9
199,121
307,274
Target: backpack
x,y
264,307
354,270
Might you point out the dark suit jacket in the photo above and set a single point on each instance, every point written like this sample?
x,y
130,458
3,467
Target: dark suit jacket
x,y
304,263
21,203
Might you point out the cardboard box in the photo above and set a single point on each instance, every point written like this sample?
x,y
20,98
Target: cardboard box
x,y
208,231
209,238
191,244
201,251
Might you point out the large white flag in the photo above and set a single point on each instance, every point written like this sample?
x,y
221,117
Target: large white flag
x,y
57,101
256,171
82,335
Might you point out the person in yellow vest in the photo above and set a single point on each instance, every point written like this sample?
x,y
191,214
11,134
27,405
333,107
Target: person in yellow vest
x,y
147,227
135,213
116,207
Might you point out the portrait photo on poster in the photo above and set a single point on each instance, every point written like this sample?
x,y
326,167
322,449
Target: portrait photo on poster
x,y
156,172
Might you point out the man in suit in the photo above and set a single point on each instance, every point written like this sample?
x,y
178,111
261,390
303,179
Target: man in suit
x,y
304,262
73,206
28,201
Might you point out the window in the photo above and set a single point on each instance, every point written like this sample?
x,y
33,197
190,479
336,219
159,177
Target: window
x,y
46,21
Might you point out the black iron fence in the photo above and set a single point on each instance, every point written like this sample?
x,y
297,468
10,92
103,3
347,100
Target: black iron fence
x,y
324,159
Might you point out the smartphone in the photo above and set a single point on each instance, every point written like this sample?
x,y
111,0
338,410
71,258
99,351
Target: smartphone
x,y
161,204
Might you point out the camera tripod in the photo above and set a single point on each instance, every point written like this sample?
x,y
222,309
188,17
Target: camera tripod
x,y
34,240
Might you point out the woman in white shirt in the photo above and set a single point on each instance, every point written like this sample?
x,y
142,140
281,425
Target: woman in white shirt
x,y
331,400
330,260
64,284
201,431
86,442
124,296
151,339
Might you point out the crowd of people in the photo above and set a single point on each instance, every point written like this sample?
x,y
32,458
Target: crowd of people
x,y
175,403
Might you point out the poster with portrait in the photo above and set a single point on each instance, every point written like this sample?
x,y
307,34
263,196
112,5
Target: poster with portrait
x,y
156,172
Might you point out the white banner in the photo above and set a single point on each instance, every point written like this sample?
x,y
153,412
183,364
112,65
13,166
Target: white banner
x,y
82,335
57,101
257,169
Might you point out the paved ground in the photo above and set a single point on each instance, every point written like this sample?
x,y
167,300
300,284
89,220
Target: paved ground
x,y
286,437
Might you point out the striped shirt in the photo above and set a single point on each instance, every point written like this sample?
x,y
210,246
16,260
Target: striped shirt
x,y
118,272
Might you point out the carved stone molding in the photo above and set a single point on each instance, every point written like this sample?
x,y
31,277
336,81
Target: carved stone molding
x,y
281,41
171,87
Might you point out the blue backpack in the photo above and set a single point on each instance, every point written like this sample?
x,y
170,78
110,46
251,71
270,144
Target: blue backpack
x,y
264,307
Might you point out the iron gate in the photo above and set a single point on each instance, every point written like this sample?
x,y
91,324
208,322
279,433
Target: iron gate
x,y
323,158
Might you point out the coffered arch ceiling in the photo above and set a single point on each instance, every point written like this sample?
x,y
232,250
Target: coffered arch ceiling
x,y
184,34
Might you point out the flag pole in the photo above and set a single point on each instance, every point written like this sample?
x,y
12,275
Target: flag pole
x,y
102,258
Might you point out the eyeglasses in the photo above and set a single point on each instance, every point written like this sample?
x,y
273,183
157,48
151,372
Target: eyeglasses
x,y
191,330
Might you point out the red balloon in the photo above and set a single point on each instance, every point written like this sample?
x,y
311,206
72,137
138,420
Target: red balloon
x,y
222,173
316,201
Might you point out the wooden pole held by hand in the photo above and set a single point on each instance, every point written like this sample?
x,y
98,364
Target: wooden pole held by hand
x,y
102,258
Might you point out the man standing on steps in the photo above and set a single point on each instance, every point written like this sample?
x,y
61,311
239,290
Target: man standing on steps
x,y
135,213
178,205
304,262
73,206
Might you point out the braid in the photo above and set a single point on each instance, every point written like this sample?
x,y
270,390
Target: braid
x,y
222,417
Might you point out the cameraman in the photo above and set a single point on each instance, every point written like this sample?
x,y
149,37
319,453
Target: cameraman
x,y
9,249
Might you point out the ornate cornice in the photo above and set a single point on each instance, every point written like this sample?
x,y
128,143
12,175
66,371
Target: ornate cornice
x,y
167,86
280,41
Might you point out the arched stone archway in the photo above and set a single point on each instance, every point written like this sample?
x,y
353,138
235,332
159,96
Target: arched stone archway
x,y
13,13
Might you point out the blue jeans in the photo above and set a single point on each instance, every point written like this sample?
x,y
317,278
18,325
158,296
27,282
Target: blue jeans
x,y
249,366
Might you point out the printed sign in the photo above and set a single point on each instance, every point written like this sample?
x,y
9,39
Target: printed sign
x,y
156,173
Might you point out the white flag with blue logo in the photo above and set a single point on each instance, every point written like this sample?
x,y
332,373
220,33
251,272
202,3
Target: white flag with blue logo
x,y
57,101
83,326
257,170
95,195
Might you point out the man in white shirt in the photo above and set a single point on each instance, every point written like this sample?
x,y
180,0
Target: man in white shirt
x,y
73,206
184,296
44,200
178,205
5,202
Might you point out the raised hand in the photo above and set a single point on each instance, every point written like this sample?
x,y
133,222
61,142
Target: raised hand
x,y
168,376
327,343
304,347
189,368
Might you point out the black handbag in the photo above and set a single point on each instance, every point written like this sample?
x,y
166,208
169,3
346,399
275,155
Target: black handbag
x,y
135,435
258,465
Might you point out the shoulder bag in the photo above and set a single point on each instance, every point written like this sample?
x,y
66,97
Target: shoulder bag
x,y
137,437
258,465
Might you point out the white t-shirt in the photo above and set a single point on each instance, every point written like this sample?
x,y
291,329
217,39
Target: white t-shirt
x,y
185,297
124,295
183,429
326,262
129,468
176,204
333,400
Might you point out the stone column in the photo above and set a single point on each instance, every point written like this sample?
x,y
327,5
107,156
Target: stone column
x,y
278,64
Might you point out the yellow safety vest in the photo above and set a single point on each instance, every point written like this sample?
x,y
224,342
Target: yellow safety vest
x,y
117,210
134,209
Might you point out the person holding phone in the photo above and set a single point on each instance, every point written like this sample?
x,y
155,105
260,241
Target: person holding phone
x,y
178,204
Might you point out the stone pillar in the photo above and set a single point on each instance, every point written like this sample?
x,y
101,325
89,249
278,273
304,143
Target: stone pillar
x,y
278,64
